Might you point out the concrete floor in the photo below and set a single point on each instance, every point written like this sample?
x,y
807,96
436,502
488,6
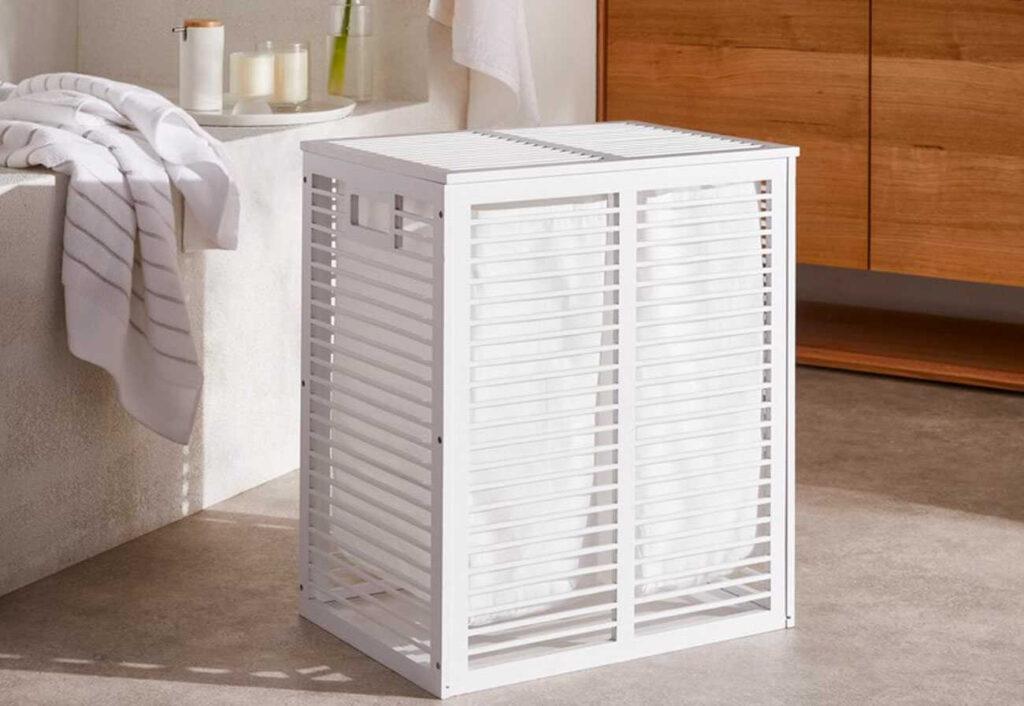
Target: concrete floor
x,y
911,564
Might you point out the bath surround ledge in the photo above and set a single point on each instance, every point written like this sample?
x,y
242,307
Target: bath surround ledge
x,y
79,475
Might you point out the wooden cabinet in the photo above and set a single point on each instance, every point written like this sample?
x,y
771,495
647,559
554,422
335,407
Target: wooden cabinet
x,y
793,71
947,139
910,119
932,90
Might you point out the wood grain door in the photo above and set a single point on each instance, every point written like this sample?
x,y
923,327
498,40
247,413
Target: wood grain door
x,y
793,71
947,139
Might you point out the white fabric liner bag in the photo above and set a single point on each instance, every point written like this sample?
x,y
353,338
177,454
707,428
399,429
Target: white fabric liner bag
x,y
686,437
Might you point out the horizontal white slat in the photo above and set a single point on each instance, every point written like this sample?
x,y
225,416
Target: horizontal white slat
x,y
540,637
339,272
712,316
702,491
413,631
543,600
699,279
549,578
670,205
701,607
545,396
693,338
545,559
699,259
341,294
551,416
704,588
538,215
345,505
549,436
345,313
541,619
481,240
705,414
545,254
547,456
542,477
673,299
706,549
564,332
542,517
341,480
703,570
406,376
369,442
648,242
392,573
555,375
548,274
375,402
668,537
704,434
542,498
349,469
673,515
539,357
709,220
341,422
392,589
675,477
417,613
487,300
663,380
372,343
478,321
391,551
701,453
650,361
542,538
376,465
367,262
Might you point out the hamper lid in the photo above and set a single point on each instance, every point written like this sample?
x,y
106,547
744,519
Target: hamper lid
x,y
482,155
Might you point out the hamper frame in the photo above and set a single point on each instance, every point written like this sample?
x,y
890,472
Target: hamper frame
x,y
358,613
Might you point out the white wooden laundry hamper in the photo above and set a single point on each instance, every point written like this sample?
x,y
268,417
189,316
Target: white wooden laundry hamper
x,y
547,397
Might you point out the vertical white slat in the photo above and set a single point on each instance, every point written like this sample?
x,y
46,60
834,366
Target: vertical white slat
x,y
781,382
790,244
626,534
305,589
454,472
438,559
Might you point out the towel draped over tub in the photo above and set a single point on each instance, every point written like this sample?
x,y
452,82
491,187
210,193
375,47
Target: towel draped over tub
x,y
123,147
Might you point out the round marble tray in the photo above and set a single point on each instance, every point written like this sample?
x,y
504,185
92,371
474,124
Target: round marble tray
x,y
320,109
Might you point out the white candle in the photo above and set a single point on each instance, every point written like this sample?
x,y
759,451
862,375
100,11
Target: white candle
x,y
252,74
291,71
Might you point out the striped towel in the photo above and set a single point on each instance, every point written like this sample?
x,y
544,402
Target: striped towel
x,y
122,148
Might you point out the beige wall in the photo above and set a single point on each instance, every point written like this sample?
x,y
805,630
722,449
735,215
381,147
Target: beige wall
x,y
37,36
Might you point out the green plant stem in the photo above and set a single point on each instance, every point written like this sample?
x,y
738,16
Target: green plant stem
x,y
336,77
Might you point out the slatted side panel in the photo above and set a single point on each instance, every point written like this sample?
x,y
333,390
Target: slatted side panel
x,y
544,398
704,390
370,411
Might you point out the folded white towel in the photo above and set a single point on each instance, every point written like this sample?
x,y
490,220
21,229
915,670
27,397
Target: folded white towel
x,y
490,39
122,147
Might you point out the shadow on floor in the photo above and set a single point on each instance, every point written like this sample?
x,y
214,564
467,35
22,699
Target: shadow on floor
x,y
223,612
934,444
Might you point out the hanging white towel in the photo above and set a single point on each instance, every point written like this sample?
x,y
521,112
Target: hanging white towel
x,y
490,39
122,148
